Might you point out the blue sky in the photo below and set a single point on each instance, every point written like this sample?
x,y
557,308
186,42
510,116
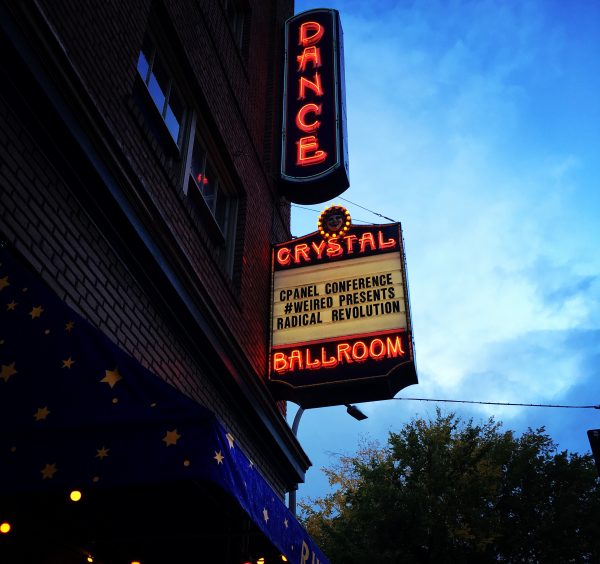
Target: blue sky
x,y
476,124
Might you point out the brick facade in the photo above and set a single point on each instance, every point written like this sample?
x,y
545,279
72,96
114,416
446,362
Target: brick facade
x,y
92,202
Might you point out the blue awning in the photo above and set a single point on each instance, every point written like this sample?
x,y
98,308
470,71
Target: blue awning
x,y
76,412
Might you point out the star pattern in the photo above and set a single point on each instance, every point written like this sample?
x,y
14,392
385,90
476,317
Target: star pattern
x,y
41,413
171,437
48,471
111,377
36,312
7,371
68,362
42,382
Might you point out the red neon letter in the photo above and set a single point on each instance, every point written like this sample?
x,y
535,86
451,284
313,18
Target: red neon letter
x,y
367,239
332,362
319,248
309,55
334,249
279,362
373,353
385,244
350,239
283,256
365,351
301,251
343,351
306,146
308,109
312,364
314,86
305,39
394,348
296,358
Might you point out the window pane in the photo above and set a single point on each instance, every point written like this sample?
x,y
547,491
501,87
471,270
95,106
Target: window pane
x,y
159,80
197,166
209,188
176,104
143,66
145,58
222,210
172,124
156,92
174,116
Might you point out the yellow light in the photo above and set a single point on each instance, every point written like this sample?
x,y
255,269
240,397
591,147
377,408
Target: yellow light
x,y
135,562
283,558
260,561
5,527
75,495
90,558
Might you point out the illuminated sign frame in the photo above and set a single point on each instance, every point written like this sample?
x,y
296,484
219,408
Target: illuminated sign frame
x,y
314,153
340,318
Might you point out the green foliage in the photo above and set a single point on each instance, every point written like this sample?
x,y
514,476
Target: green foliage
x,y
447,490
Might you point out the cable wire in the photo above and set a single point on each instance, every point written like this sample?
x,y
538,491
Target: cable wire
x,y
321,211
501,403
370,211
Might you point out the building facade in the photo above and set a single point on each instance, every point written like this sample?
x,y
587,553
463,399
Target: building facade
x,y
139,162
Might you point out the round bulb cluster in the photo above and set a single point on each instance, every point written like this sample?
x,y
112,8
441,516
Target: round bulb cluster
x,y
326,232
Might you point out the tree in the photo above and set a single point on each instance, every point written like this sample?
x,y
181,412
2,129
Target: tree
x,y
447,490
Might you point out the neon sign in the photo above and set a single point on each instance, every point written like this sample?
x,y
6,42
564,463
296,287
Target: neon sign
x,y
314,161
303,253
340,319
344,352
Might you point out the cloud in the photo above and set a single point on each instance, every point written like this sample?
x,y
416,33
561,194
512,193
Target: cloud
x,y
469,122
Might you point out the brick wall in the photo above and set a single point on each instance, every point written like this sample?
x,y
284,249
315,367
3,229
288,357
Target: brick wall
x,y
42,217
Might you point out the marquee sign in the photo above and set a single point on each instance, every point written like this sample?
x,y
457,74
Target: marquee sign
x,y
340,320
314,160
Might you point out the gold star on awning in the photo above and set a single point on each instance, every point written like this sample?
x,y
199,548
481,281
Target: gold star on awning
x,y
171,437
36,312
11,306
69,326
230,439
68,362
111,377
48,471
102,453
218,457
4,283
7,371
41,413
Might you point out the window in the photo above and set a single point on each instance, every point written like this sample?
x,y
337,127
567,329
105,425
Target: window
x,y
153,71
212,198
238,15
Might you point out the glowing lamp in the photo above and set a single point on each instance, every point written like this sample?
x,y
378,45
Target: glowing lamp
x,y
75,495
5,528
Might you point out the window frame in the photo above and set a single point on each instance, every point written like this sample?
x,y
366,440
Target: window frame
x,y
172,91
222,236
